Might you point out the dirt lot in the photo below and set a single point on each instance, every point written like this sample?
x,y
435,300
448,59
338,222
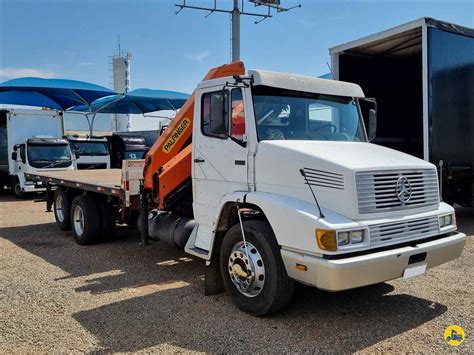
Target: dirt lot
x,y
58,296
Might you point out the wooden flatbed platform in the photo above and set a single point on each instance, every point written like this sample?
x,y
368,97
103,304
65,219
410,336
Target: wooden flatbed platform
x,y
105,181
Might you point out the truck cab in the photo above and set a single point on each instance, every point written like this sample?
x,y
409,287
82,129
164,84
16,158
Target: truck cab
x,y
38,154
31,144
92,152
292,153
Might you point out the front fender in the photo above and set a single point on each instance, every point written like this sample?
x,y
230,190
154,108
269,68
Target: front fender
x,y
293,221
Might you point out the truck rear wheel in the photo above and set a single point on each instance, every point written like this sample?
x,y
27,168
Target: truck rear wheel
x,y
85,220
255,276
62,209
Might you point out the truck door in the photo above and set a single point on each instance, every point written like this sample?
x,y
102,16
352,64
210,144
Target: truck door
x,y
220,154
21,165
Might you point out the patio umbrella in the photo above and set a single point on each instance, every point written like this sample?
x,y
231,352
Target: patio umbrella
x,y
59,94
139,101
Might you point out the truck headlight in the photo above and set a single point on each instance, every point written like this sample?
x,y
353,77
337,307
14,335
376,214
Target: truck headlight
x,y
447,220
331,239
343,238
350,237
357,237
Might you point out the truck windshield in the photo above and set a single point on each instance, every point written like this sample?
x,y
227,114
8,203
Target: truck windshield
x,y
89,148
42,155
290,115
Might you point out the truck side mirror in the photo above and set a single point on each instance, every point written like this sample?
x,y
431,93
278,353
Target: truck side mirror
x,y
372,125
14,156
76,154
368,107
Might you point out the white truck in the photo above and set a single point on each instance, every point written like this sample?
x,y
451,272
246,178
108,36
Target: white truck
x,y
92,152
280,184
32,144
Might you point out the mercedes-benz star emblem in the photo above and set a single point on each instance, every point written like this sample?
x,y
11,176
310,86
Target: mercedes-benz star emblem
x,y
403,189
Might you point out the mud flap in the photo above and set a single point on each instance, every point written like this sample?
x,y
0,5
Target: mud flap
x,y
213,283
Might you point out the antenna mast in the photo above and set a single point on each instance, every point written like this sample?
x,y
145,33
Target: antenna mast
x,y
236,12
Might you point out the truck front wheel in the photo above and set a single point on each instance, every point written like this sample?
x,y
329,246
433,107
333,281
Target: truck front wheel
x,y
62,209
254,273
18,190
85,220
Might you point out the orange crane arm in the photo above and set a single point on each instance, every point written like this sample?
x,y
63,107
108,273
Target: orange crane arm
x,y
168,162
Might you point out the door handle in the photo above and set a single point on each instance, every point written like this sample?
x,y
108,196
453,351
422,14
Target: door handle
x,y
199,160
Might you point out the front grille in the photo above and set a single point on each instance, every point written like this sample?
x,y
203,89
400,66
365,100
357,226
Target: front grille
x,y
324,178
88,166
377,190
399,232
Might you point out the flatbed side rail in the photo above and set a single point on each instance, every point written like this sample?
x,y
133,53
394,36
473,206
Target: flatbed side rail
x,y
81,185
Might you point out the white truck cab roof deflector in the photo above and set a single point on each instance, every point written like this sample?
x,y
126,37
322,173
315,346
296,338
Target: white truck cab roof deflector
x,y
305,83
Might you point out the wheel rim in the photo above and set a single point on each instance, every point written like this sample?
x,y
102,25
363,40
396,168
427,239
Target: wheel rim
x,y
59,207
78,216
18,188
246,272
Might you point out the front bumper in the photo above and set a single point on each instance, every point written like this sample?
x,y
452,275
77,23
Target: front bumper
x,y
33,188
362,270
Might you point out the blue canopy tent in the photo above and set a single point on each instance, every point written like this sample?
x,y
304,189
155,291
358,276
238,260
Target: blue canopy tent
x,y
59,94
139,101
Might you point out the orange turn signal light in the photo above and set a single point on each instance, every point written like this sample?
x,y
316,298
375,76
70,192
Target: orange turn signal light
x,y
326,239
301,267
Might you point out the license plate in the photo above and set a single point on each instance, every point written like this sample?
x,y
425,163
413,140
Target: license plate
x,y
412,271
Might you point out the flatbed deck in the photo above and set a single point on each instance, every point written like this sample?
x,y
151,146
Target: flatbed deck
x,y
104,181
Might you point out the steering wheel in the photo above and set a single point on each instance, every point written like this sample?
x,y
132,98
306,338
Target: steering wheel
x,y
334,128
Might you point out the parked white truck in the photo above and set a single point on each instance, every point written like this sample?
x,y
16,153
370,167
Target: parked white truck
x,y
280,184
32,143
91,152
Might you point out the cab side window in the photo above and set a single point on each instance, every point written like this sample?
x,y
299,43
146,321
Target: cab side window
x,y
214,121
238,115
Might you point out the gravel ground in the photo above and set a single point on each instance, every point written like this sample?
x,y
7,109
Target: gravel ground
x,y
58,296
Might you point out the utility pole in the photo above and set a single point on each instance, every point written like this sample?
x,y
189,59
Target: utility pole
x,y
236,12
236,32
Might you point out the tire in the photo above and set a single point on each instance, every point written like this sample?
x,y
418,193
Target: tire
x,y
132,218
85,220
18,191
2,185
273,290
62,209
107,216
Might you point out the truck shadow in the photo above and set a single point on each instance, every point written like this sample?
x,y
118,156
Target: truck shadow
x,y
8,196
107,267
165,305
315,321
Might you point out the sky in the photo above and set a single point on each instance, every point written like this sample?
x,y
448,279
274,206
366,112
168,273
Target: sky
x,y
74,39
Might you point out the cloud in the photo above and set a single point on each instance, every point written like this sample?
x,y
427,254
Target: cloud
x,y
12,73
199,57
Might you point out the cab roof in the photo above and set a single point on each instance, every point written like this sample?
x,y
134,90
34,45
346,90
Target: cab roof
x,y
305,83
293,82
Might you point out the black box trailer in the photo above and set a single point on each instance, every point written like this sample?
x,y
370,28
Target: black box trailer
x,y
422,75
